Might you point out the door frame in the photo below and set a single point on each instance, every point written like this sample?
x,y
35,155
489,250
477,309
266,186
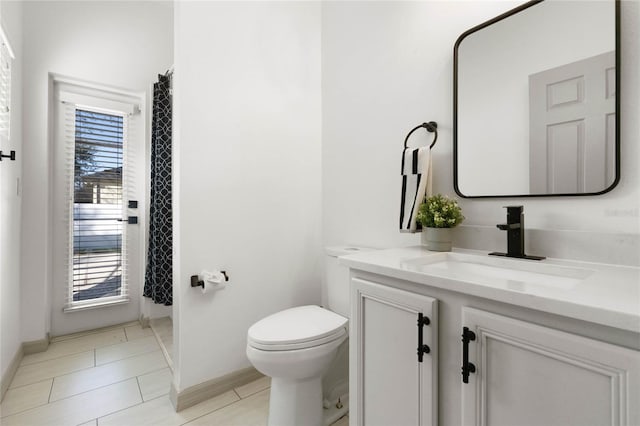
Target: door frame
x,y
65,321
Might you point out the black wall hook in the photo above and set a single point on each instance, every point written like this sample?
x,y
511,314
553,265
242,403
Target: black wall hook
x,y
432,127
11,156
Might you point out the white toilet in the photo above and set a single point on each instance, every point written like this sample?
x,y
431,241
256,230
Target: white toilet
x,y
298,346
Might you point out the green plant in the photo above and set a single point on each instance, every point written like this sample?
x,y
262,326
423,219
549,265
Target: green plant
x,y
439,211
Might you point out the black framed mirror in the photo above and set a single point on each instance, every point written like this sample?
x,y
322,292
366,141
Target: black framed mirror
x,y
536,104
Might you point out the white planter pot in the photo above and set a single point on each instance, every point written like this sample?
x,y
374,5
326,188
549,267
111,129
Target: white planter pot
x,y
437,239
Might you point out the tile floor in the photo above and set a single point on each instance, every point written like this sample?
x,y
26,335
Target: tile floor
x,y
120,377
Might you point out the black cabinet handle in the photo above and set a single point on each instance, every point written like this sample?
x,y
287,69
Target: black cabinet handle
x,y
422,348
467,367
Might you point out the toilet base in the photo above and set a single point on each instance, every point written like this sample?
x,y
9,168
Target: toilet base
x,y
296,402
332,414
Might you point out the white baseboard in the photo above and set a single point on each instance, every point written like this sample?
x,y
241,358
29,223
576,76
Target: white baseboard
x,y
25,348
7,377
144,321
35,346
214,387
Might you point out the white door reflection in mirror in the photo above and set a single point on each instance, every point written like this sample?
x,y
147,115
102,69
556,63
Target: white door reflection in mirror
x,y
572,127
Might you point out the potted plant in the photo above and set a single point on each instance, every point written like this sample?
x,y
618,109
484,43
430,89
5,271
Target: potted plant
x,y
438,215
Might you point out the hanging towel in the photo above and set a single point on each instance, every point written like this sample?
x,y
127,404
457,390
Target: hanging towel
x,y
416,185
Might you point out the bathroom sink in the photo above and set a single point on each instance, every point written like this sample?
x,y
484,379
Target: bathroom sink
x,y
515,274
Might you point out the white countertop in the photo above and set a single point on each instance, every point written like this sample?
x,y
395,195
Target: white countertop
x,y
607,295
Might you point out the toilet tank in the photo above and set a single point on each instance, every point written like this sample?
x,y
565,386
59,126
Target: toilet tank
x,y
335,288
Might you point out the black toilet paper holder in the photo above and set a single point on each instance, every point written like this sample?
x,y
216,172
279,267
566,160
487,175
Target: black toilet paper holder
x,y
197,282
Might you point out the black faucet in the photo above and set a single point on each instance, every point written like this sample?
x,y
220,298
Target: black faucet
x,y
515,234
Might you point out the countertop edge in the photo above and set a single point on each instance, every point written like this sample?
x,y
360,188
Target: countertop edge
x,y
593,314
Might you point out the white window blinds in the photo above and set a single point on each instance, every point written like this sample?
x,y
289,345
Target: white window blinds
x,y
97,206
96,144
6,57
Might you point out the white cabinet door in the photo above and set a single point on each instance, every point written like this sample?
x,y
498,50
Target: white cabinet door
x,y
532,375
388,384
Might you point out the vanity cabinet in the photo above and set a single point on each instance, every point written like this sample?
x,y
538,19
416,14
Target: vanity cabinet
x,y
394,337
526,374
528,367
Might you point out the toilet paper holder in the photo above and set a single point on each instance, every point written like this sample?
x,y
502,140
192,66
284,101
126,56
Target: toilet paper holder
x,y
197,282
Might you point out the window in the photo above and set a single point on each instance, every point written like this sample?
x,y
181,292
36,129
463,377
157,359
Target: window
x,y
97,206
6,56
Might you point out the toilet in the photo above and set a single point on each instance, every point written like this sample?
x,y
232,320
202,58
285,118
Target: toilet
x,y
304,351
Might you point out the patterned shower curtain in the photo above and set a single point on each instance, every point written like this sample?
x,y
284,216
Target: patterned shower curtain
x,y
159,272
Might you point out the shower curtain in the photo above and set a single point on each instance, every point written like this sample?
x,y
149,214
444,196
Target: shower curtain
x,y
159,271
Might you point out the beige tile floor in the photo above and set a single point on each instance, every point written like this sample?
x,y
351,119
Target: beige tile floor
x,y
117,376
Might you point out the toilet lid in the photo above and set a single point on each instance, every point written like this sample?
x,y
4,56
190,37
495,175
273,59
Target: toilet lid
x,y
297,328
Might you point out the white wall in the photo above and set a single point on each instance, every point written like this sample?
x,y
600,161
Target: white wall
x,y
247,173
122,44
10,200
386,67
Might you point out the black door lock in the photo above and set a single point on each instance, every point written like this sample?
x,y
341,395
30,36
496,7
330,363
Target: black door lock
x,y
131,220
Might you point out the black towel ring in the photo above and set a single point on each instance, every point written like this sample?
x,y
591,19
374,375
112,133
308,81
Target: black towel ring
x,y
432,127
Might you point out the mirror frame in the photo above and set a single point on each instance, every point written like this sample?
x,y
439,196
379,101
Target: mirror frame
x,y
455,105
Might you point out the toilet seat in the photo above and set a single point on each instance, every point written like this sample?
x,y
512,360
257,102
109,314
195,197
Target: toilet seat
x,y
297,328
